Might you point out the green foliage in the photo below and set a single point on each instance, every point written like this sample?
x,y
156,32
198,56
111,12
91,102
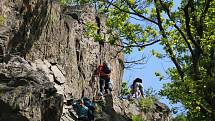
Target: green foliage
x,y
156,54
146,103
187,36
180,117
137,118
125,90
2,20
151,93
91,31
65,1
157,74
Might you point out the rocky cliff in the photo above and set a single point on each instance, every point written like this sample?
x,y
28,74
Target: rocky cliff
x,y
46,60
26,93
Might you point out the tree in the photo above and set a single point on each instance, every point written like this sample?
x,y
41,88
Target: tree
x,y
188,37
180,117
125,89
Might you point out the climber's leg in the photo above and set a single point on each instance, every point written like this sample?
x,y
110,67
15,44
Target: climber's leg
x,y
101,85
107,81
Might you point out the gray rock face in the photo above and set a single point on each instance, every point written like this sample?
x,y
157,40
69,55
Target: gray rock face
x,y
50,31
157,112
51,37
27,94
46,60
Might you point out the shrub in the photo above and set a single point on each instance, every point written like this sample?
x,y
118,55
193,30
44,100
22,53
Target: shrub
x,y
146,103
125,90
137,118
67,1
180,117
2,20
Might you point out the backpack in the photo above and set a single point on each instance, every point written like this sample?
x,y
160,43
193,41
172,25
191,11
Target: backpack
x,y
106,69
81,110
86,110
89,103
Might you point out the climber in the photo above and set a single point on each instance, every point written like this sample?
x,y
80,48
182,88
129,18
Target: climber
x,y
91,107
103,72
84,108
136,89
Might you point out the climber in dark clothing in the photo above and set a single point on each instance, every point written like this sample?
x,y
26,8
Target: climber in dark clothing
x,y
103,72
137,89
84,109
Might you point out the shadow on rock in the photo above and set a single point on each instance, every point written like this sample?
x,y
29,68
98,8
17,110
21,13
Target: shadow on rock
x,y
7,113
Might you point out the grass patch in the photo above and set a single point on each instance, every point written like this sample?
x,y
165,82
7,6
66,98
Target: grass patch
x,y
137,118
63,2
2,20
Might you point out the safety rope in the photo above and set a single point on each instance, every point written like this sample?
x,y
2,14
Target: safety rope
x,y
97,77
79,64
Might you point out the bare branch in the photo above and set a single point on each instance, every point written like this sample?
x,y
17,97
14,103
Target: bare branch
x,y
127,45
139,61
117,53
135,18
131,63
139,45
133,13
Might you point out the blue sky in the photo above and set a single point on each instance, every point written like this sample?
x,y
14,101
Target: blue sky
x,y
147,72
153,64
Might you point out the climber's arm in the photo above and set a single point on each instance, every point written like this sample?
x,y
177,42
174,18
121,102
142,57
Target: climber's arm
x,y
98,71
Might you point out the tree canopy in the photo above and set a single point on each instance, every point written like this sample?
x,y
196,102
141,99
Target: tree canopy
x,y
187,36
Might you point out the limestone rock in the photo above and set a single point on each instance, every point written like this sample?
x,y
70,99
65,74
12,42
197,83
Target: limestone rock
x,y
27,94
45,67
158,111
59,77
46,60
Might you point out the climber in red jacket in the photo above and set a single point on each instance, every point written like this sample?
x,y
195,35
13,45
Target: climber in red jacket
x,y
103,71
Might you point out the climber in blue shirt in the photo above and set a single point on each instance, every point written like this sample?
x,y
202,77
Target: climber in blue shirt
x,y
84,109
